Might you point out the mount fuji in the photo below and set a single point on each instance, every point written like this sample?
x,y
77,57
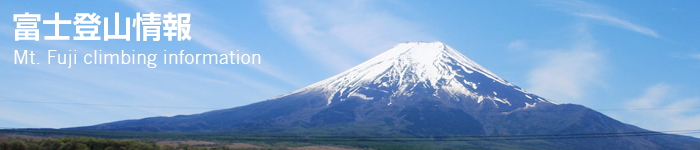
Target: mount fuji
x,y
421,89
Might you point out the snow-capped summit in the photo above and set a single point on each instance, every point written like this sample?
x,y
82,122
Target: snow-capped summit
x,y
424,67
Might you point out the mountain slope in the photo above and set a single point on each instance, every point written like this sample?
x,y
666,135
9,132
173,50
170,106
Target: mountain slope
x,y
415,89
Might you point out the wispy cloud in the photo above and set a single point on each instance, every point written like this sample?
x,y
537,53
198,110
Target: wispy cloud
x,y
88,82
599,13
518,45
621,23
125,84
564,75
651,98
696,56
673,113
340,33
208,38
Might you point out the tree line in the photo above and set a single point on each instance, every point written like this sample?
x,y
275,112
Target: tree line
x,y
89,143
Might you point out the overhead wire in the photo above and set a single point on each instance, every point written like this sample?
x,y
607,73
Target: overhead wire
x,y
357,138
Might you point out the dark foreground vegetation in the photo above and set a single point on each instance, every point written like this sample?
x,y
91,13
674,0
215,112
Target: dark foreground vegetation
x,y
89,143
62,139
220,140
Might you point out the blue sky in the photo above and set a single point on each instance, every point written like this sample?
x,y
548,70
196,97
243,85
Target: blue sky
x,y
601,54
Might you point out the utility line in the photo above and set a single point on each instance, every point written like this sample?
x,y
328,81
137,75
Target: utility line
x,y
370,138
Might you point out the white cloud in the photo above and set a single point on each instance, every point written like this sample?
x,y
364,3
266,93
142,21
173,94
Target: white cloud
x,y
564,75
670,113
651,98
599,13
620,23
98,84
340,33
696,56
210,39
517,45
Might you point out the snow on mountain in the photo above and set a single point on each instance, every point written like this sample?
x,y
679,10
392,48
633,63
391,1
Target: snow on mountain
x,y
429,66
